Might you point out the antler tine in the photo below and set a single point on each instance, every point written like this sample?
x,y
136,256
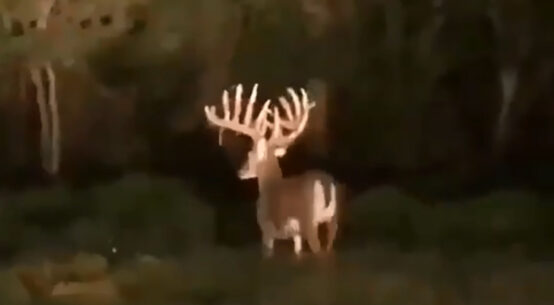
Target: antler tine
x,y
238,101
305,101
295,122
284,103
225,101
248,115
295,100
227,114
261,123
276,133
234,124
302,108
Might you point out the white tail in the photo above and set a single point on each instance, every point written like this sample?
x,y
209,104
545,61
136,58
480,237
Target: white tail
x,y
291,207
323,213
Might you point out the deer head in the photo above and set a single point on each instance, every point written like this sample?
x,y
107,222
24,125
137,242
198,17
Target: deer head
x,y
262,159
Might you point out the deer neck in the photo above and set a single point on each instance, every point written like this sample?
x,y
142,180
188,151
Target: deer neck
x,y
268,172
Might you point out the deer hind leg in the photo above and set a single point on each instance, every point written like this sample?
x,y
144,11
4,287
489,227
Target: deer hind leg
x,y
313,239
332,228
297,244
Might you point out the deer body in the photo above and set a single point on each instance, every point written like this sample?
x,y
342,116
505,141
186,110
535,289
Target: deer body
x,y
287,207
294,207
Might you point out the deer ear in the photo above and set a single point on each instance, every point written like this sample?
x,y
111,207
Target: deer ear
x,y
261,150
279,152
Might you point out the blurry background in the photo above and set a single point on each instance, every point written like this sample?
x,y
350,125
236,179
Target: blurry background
x,y
437,115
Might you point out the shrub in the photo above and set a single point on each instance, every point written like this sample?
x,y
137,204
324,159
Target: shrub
x,y
385,214
153,214
500,219
136,213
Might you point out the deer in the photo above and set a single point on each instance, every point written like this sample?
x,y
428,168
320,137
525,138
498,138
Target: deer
x,y
287,207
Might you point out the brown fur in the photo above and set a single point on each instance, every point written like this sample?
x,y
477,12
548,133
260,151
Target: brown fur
x,y
293,197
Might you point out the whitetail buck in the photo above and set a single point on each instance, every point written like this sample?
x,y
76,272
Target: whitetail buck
x,y
287,207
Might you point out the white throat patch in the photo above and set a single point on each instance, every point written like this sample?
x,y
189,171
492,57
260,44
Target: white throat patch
x,y
261,149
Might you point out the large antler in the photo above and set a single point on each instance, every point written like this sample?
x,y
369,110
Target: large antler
x,y
295,122
255,129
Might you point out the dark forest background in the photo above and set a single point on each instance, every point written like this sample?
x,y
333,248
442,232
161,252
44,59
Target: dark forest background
x,y
437,116
409,89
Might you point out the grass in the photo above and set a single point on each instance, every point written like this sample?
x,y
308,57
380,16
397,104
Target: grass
x,y
495,249
372,275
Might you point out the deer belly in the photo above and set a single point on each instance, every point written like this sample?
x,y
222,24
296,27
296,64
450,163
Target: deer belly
x,y
289,229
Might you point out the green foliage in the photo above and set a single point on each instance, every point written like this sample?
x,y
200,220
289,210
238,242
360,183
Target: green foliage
x,y
36,216
161,209
385,213
515,220
161,216
13,48
494,238
12,291
135,214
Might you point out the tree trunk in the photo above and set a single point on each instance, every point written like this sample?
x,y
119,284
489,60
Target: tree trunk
x,y
36,77
54,112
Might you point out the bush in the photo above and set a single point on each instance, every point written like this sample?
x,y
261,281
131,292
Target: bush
x,y
500,219
135,214
36,217
154,214
385,214
12,291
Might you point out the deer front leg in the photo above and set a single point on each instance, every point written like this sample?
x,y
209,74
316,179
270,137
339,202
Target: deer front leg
x,y
267,245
